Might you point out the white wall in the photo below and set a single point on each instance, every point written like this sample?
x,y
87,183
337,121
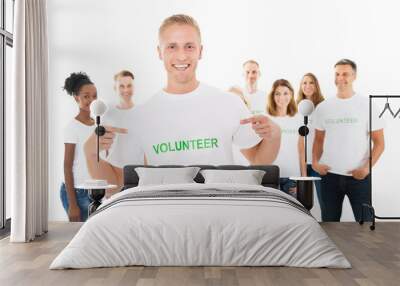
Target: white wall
x,y
288,39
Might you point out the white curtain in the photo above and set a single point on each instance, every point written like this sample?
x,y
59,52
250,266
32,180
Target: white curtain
x,y
29,158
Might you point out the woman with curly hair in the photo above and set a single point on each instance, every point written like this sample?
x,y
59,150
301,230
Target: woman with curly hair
x,y
76,201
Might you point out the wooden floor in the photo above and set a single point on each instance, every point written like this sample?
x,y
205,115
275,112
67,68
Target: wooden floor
x,y
374,255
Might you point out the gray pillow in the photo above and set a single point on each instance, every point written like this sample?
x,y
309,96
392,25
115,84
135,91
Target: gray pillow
x,y
162,176
248,177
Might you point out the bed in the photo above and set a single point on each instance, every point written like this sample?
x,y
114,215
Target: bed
x,y
201,224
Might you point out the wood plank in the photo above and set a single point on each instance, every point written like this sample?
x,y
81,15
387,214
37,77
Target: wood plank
x,y
375,257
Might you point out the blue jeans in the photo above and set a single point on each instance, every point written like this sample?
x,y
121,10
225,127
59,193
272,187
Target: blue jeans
x,y
285,184
312,173
333,189
82,198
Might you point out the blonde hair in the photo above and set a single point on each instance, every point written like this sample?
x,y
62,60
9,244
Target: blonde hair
x,y
272,108
251,62
180,19
122,74
317,97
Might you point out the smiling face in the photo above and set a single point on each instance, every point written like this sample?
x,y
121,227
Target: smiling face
x,y
308,87
251,73
282,97
344,77
180,50
87,93
124,86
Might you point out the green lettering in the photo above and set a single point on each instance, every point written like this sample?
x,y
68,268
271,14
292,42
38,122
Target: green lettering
x,y
207,143
185,145
156,148
192,142
170,148
178,146
199,143
163,147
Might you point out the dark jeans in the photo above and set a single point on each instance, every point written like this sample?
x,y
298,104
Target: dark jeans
x,y
333,189
312,173
82,198
285,184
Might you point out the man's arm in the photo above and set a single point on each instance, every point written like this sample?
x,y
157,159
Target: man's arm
x,y
378,141
317,150
266,151
102,169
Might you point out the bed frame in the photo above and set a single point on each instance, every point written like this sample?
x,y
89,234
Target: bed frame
x,y
131,178
270,179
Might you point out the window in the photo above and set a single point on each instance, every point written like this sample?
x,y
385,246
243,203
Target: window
x,y
6,44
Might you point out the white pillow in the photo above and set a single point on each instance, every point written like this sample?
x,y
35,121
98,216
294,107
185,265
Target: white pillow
x,y
162,176
248,177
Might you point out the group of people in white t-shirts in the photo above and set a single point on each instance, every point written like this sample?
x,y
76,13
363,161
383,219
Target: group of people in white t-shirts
x,y
75,200
340,127
281,105
189,122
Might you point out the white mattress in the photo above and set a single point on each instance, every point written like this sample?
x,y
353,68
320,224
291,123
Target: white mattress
x,y
183,231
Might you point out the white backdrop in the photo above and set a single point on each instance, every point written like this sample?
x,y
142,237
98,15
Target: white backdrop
x,y
288,38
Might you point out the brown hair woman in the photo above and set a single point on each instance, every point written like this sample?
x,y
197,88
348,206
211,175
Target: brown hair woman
x,y
283,110
310,89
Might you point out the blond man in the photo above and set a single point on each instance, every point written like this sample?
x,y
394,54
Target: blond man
x,y
187,122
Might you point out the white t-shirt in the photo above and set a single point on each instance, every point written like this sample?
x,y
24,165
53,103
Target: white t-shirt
x,y
258,101
288,156
75,132
122,146
117,117
193,128
346,126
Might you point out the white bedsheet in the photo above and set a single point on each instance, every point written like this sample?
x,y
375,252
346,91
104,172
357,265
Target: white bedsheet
x,y
200,231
